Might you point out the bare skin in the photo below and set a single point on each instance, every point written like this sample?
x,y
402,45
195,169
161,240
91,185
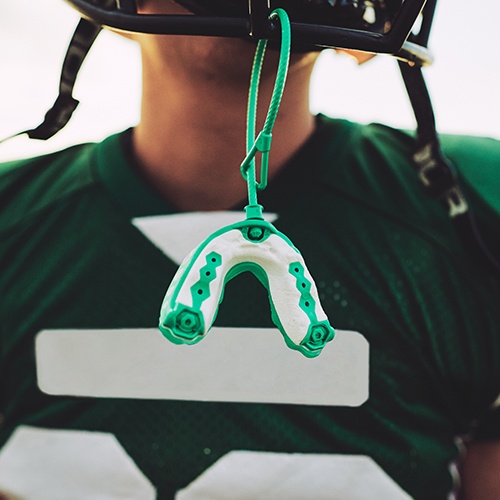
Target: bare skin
x,y
480,471
191,138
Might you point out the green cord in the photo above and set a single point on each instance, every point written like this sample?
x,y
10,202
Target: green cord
x,y
263,141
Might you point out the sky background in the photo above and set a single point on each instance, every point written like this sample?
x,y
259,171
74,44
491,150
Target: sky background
x,y
34,35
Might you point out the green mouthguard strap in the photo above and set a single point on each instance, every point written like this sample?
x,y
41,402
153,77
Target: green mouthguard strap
x,y
263,141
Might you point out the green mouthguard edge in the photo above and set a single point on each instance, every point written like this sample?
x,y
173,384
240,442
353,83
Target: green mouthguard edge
x,y
182,324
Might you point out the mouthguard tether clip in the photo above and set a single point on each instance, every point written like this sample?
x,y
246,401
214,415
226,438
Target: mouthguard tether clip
x,y
192,300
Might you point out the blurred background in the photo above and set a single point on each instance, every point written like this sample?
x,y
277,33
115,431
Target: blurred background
x,y
34,35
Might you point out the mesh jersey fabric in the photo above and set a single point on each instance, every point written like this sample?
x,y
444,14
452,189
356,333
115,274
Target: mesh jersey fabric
x,y
387,263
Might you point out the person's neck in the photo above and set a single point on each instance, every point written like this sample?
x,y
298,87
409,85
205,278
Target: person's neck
x,y
191,138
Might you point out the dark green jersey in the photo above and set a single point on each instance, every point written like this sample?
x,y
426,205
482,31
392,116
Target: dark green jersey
x,y
387,262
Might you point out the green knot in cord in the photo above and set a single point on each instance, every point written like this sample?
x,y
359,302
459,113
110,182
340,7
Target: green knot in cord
x,y
263,142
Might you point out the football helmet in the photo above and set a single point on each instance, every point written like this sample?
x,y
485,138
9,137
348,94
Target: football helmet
x,y
379,26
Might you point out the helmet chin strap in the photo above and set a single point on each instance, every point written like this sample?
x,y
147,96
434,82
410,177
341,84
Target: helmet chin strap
x,y
64,106
436,173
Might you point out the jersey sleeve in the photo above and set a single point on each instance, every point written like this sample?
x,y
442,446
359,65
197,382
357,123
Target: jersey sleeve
x,y
477,161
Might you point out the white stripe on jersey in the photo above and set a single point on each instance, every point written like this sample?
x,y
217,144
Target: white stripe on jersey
x,y
231,365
